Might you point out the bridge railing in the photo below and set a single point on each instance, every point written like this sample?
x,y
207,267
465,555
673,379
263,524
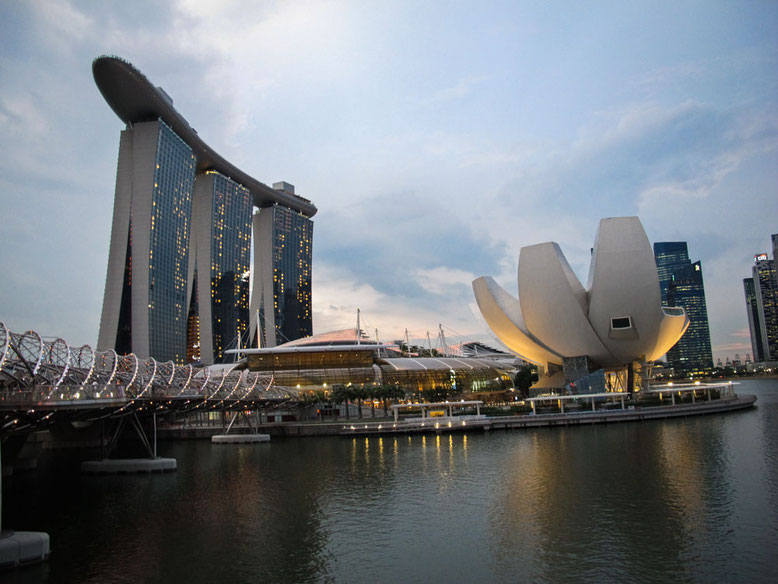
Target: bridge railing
x,y
42,394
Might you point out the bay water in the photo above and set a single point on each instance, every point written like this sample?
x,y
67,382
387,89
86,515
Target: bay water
x,y
682,500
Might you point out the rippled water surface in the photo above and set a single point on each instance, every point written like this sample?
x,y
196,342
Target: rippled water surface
x,y
689,500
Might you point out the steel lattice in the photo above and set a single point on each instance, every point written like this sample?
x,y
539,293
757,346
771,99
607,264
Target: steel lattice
x,y
35,372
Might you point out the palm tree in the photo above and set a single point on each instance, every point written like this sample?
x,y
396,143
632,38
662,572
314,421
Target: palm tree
x,y
382,393
359,394
370,392
320,398
340,394
386,393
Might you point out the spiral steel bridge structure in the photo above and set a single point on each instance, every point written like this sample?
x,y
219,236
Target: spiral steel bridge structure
x,y
43,379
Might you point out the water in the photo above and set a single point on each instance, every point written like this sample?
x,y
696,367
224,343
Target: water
x,y
688,500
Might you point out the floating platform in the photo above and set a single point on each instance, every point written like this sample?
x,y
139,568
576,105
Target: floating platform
x,y
240,438
128,465
18,548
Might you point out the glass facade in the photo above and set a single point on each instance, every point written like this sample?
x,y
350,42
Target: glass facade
x,y
442,377
419,377
681,284
754,320
169,246
291,261
123,344
670,256
193,354
230,258
766,291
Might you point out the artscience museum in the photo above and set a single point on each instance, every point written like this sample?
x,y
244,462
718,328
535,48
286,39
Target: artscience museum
x,y
601,337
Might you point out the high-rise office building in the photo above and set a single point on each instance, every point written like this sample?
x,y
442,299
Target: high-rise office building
x,y
761,291
774,238
283,246
177,287
681,284
754,320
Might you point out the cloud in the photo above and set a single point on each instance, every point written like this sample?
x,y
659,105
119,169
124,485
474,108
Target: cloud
x,y
22,118
461,89
386,240
391,314
432,151
63,22
440,280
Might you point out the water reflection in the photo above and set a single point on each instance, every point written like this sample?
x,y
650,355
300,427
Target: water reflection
x,y
679,500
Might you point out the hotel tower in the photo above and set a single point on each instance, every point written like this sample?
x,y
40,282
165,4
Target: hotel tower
x,y
177,287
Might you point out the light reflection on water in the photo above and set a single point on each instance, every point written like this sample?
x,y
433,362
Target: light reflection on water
x,y
688,500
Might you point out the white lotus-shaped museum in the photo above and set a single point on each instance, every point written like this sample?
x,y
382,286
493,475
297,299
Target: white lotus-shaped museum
x,y
616,320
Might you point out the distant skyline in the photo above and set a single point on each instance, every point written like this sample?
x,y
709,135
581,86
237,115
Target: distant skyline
x,y
435,143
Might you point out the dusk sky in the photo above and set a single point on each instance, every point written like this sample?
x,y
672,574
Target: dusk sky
x,y
436,139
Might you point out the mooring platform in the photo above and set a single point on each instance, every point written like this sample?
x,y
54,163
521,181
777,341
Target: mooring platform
x,y
240,438
18,548
128,465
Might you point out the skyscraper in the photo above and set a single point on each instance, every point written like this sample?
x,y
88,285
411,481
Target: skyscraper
x,y
219,276
145,302
761,291
283,245
681,284
178,266
755,320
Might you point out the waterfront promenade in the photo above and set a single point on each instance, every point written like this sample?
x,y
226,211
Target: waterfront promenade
x,y
606,412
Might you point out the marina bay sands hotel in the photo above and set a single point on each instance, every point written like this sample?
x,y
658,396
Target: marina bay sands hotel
x,y
177,287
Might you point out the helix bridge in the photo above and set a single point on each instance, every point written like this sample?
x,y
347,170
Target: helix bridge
x,y
42,380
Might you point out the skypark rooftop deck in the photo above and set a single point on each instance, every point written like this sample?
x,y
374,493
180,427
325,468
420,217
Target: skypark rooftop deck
x,y
135,99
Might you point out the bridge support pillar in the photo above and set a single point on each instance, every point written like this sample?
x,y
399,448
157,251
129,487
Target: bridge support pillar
x,y
252,437
131,465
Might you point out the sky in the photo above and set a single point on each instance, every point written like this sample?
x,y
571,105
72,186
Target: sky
x,y
436,139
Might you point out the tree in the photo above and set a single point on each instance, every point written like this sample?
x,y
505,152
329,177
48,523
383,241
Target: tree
x,y
438,394
370,393
359,394
389,392
381,392
523,380
340,394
